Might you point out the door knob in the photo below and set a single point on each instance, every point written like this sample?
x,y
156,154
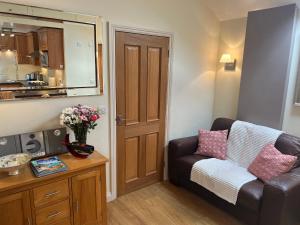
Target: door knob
x,y
120,120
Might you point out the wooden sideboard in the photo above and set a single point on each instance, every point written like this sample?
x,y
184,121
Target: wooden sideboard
x,y
74,197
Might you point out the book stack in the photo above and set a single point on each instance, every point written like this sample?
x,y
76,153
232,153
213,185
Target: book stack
x,y
47,166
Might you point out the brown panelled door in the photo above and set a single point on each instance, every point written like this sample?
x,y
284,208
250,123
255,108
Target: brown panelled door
x,y
141,87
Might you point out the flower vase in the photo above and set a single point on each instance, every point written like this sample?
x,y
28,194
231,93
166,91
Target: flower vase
x,y
80,133
81,120
77,149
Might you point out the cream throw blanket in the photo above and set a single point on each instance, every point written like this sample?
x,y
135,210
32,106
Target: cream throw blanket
x,y
246,140
226,177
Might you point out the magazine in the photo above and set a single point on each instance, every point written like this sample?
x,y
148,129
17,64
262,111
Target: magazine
x,y
47,166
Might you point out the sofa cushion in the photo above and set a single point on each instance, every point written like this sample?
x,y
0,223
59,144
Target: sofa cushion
x,y
222,177
213,143
271,163
184,165
250,195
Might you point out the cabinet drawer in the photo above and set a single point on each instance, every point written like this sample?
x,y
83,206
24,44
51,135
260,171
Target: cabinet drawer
x,y
50,192
54,214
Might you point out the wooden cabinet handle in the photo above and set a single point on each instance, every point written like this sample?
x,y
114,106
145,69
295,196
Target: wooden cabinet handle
x,y
51,194
54,214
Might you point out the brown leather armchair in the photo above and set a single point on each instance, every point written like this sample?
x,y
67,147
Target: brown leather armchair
x,y
276,202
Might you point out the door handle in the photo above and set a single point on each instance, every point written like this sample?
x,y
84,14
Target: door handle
x,y
120,120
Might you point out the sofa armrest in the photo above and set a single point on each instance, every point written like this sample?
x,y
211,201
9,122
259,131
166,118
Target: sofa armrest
x,y
183,146
176,149
281,200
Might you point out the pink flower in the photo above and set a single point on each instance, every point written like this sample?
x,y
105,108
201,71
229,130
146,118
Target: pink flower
x,y
83,118
94,117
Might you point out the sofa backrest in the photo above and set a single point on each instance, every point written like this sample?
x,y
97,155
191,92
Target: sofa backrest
x,y
286,143
222,124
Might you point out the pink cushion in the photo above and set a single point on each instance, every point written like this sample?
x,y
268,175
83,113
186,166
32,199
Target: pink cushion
x,y
213,143
271,163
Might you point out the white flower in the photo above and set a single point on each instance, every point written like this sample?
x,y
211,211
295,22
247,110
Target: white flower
x,y
68,119
68,110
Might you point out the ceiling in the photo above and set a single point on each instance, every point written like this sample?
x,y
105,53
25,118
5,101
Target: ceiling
x,y
231,9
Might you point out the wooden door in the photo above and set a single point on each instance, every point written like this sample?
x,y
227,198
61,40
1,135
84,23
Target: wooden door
x,y
15,209
141,87
86,191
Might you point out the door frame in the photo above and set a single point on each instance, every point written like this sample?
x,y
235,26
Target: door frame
x,y
113,28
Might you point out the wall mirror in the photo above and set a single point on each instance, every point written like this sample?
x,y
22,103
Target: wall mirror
x,y
46,53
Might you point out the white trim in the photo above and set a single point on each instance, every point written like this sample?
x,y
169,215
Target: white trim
x,y
109,196
113,138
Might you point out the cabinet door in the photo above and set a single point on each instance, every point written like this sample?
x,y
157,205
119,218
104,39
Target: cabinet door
x,y
30,46
7,43
15,209
56,49
87,206
43,40
22,51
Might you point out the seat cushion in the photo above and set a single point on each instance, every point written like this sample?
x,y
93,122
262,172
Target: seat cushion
x,y
184,165
250,195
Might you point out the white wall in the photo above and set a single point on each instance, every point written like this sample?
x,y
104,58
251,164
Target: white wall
x,y
232,36
232,40
196,32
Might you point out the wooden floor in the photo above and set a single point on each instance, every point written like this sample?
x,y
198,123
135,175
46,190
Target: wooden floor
x,y
165,204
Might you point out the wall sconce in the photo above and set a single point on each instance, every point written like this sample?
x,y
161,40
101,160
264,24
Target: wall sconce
x,y
229,62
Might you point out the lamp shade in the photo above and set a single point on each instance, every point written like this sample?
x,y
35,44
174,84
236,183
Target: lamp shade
x,y
226,58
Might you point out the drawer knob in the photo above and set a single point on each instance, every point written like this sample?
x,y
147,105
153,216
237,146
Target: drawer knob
x,y
54,214
51,194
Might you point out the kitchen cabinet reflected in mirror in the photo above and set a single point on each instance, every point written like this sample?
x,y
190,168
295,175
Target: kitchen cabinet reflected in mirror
x,y
41,58
31,56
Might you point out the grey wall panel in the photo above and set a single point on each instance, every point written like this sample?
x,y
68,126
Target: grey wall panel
x,y
265,74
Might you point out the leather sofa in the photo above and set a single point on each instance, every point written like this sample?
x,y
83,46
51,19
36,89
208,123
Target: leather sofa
x,y
276,202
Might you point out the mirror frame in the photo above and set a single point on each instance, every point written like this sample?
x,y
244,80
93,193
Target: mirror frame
x,y
48,15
